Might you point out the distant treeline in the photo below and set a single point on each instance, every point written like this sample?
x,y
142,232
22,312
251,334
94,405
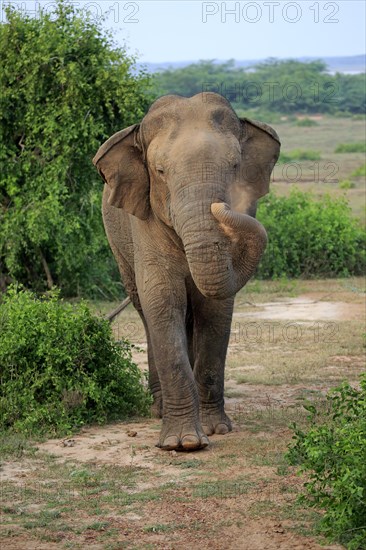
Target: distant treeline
x,y
279,86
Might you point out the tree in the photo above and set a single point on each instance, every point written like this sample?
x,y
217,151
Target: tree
x,y
280,86
66,87
351,93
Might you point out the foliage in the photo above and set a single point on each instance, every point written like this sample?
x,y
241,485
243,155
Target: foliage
x,y
281,86
65,87
332,452
310,238
346,184
60,367
350,93
270,117
359,172
351,148
298,155
306,122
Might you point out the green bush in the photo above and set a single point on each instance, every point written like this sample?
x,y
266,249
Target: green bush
x,y
65,87
259,113
351,148
346,184
359,172
297,155
306,122
60,367
310,238
332,452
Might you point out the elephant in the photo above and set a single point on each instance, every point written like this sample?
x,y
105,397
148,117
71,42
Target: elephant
x,y
179,206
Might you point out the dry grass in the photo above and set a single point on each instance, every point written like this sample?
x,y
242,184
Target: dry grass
x,y
324,176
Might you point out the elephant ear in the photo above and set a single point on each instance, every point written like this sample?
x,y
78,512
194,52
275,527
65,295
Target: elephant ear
x,y
120,163
260,149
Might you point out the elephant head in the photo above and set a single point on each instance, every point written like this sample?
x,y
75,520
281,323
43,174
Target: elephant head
x,y
194,166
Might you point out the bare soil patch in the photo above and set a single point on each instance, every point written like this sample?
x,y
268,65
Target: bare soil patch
x,y
306,308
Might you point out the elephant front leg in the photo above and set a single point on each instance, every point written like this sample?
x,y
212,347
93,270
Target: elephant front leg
x,y
165,318
212,325
181,429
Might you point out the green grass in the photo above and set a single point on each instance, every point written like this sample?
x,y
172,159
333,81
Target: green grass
x,y
298,155
323,176
163,527
347,184
359,172
306,123
222,489
193,463
16,446
351,148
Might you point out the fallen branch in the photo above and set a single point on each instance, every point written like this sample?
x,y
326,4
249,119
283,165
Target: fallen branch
x,y
111,316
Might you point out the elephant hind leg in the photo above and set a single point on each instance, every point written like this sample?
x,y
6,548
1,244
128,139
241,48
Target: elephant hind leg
x,y
189,331
154,381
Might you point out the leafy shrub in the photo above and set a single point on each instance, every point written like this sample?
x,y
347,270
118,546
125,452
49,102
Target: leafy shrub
x,y
306,122
310,238
298,154
332,453
260,113
65,88
347,184
60,367
351,148
359,172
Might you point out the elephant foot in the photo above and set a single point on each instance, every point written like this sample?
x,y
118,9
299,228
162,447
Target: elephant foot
x,y
215,421
182,437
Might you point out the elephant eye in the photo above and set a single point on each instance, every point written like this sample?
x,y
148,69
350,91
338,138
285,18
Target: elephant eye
x,y
160,169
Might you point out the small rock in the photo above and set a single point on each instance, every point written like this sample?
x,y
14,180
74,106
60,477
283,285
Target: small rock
x,y
131,433
173,453
68,443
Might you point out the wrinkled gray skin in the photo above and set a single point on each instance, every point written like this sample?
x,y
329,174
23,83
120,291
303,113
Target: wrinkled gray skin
x,y
179,210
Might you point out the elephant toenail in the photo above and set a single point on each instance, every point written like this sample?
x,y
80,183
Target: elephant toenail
x,y
222,429
170,443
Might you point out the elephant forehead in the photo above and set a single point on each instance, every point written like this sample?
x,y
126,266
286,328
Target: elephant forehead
x,y
172,120
176,101
195,144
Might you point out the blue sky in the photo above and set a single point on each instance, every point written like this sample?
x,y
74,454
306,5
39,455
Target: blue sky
x,y
190,30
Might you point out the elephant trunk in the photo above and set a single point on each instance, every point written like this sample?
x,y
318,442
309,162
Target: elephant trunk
x,y
225,253
249,240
